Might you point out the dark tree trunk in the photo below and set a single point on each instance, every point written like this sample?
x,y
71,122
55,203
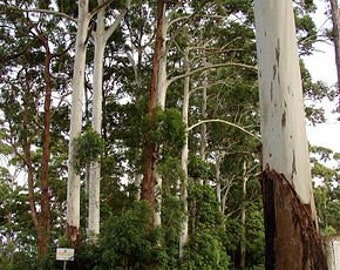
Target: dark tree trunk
x,y
45,216
336,40
151,149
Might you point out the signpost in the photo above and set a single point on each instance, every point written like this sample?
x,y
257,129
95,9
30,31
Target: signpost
x,y
65,254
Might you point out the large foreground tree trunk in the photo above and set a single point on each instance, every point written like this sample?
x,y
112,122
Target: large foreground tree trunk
x,y
292,237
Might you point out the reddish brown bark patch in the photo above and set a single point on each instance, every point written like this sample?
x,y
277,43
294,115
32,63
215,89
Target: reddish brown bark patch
x,y
151,149
292,237
73,236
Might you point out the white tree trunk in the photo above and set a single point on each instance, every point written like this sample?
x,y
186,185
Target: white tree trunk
x,y
161,98
243,217
292,239
73,184
218,182
101,37
184,233
282,123
95,169
204,112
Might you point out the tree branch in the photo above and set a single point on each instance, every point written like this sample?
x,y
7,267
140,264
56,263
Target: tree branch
x,y
39,10
198,70
116,23
224,122
103,5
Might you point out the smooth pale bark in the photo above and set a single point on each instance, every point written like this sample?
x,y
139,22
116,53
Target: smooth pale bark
x,y
161,97
243,218
73,184
101,36
204,113
184,233
292,237
336,41
218,183
94,180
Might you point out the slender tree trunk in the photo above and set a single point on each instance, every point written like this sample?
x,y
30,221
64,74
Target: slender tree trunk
x,y
73,185
218,183
94,180
184,233
101,36
161,98
151,149
336,40
204,113
45,215
243,218
27,155
292,237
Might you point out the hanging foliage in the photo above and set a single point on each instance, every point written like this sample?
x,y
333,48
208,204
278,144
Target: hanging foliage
x,y
89,148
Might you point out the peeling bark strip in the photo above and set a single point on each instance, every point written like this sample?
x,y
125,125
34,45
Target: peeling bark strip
x,y
290,229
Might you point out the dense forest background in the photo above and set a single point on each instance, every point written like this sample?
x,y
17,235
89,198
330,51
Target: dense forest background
x,y
202,135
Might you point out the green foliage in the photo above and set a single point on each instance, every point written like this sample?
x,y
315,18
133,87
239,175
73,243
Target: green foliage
x,y
205,249
168,129
198,168
170,169
17,261
172,217
255,237
89,147
326,189
127,240
206,206
206,252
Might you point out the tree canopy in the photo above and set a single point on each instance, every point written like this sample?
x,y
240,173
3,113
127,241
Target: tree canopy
x,y
205,137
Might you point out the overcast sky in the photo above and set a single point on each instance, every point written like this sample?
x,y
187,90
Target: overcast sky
x,y
322,67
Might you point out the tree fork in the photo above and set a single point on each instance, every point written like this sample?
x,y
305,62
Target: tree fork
x,y
282,203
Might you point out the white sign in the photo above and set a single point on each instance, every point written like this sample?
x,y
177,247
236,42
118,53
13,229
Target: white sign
x,y
65,254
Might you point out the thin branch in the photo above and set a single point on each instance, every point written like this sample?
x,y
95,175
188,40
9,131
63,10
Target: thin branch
x,y
219,82
98,8
39,10
198,70
224,122
114,26
178,20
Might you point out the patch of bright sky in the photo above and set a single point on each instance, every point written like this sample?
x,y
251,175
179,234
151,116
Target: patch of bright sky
x,y
322,67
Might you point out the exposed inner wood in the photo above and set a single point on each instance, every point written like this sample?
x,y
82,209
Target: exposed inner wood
x,y
290,228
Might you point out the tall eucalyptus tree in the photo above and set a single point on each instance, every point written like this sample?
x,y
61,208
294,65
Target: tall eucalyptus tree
x,y
73,184
101,36
28,105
